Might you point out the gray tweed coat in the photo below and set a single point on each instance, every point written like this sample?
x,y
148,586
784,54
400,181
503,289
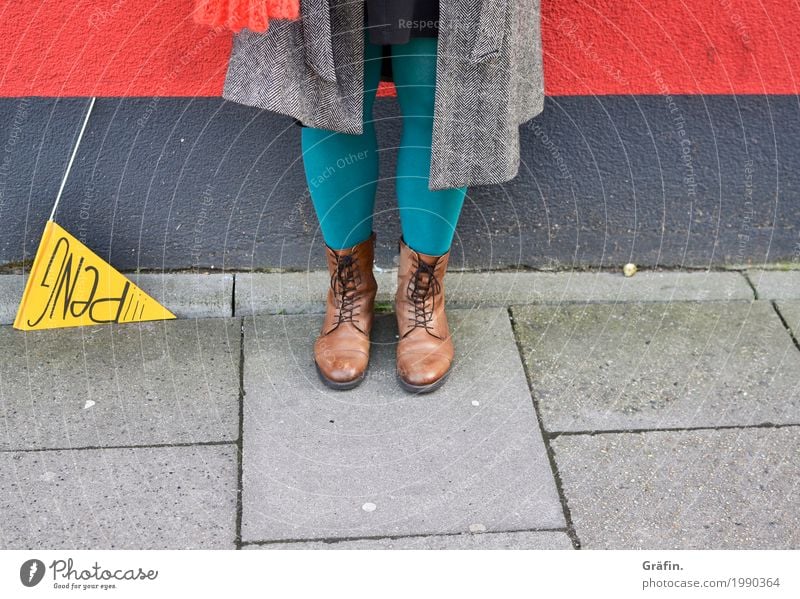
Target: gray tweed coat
x,y
489,79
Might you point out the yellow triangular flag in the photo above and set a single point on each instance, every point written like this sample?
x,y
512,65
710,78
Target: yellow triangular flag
x,y
71,286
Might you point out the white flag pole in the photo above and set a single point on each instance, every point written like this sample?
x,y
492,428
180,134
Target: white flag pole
x,y
72,158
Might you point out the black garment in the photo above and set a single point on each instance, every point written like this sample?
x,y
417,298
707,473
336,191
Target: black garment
x,y
395,21
391,22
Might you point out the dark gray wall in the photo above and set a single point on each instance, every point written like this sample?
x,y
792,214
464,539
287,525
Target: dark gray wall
x,y
180,183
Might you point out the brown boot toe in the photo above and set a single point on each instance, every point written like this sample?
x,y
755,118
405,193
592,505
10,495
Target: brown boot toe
x,y
421,371
342,366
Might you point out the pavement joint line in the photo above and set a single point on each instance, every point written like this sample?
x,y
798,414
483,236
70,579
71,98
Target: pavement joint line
x,y
556,302
749,282
476,303
785,324
15,270
587,269
233,296
679,429
101,447
335,540
240,444
542,302
562,498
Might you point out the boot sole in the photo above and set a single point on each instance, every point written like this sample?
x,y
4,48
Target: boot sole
x,y
339,386
420,389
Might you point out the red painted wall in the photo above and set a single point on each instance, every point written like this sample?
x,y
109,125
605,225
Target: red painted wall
x,y
152,48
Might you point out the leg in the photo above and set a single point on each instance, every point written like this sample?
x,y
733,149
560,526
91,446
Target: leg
x,y
428,218
342,170
342,174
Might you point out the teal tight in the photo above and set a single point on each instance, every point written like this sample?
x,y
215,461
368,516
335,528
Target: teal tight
x,y
342,170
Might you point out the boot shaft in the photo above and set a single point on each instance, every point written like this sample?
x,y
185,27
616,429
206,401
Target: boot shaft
x,y
352,290
420,293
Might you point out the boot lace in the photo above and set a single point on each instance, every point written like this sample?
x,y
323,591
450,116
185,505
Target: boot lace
x,y
344,282
422,286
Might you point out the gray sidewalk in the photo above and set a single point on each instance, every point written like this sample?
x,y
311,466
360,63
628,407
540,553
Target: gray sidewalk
x,y
585,410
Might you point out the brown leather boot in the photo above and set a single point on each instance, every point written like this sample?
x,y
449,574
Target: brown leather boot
x,y
341,351
425,349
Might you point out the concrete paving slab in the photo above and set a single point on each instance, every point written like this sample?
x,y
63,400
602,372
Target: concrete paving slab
x,y
11,288
376,461
304,292
684,364
776,284
143,498
189,295
706,489
134,384
498,540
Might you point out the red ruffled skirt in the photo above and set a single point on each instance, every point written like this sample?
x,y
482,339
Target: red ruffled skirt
x,y
238,14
